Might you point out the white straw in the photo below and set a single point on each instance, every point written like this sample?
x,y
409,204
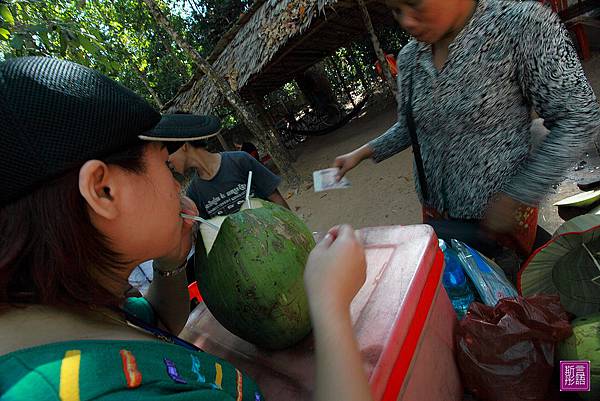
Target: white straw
x,y
248,189
200,219
591,255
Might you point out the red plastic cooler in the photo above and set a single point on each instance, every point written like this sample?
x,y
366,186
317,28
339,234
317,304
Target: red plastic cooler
x,y
403,321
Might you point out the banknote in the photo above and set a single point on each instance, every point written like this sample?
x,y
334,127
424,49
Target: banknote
x,y
324,180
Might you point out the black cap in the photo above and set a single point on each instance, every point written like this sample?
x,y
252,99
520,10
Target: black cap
x,y
55,115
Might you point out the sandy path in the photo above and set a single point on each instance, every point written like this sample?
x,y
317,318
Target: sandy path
x,y
381,194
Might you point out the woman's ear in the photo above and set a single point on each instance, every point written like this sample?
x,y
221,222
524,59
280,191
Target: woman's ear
x,y
97,186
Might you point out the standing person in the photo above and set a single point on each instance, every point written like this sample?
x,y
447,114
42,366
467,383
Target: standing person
x,y
218,185
243,146
470,79
87,195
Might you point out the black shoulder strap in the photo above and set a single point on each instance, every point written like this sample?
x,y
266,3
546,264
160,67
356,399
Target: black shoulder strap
x,y
412,130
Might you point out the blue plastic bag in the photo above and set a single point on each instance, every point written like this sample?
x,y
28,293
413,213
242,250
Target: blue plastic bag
x,y
491,285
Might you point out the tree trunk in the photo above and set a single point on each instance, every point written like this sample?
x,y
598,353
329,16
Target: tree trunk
x,y
151,90
333,63
245,113
358,68
380,56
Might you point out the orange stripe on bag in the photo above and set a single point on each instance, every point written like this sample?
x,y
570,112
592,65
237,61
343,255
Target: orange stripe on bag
x,y
239,385
132,374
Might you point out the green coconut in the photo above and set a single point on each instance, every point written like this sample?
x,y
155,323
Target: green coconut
x,y
584,345
250,274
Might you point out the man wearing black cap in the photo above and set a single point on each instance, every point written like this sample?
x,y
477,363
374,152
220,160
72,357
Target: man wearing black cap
x,y
218,184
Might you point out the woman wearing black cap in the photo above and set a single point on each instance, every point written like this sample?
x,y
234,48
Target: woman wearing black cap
x,y
84,201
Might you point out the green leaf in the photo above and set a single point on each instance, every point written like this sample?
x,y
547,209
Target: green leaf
x,y
6,14
45,40
88,45
4,34
116,25
38,28
95,32
95,41
17,42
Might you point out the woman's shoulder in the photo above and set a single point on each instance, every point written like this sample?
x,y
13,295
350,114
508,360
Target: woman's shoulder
x,y
407,53
30,326
511,14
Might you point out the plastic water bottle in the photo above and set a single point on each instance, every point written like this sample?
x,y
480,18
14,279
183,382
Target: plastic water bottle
x,y
490,283
455,281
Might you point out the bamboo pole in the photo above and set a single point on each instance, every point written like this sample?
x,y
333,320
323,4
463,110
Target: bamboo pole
x,y
380,56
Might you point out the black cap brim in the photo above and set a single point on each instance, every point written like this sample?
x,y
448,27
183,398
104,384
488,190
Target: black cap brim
x,y
176,129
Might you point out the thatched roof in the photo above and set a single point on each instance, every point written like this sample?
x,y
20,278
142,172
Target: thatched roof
x,y
273,42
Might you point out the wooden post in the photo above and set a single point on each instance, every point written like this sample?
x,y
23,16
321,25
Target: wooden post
x,y
380,56
340,77
222,140
267,136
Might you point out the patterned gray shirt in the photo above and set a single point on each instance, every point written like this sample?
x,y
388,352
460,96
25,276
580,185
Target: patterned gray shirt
x,y
473,117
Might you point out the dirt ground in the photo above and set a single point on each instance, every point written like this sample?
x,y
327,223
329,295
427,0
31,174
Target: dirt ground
x,y
383,194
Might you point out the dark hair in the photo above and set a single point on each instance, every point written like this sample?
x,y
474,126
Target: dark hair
x,y
51,253
237,138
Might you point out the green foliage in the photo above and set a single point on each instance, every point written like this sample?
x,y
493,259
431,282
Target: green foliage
x,y
121,39
356,62
118,38
210,19
6,15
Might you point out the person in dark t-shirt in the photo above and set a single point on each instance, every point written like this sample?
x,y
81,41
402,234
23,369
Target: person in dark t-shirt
x,y
219,180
